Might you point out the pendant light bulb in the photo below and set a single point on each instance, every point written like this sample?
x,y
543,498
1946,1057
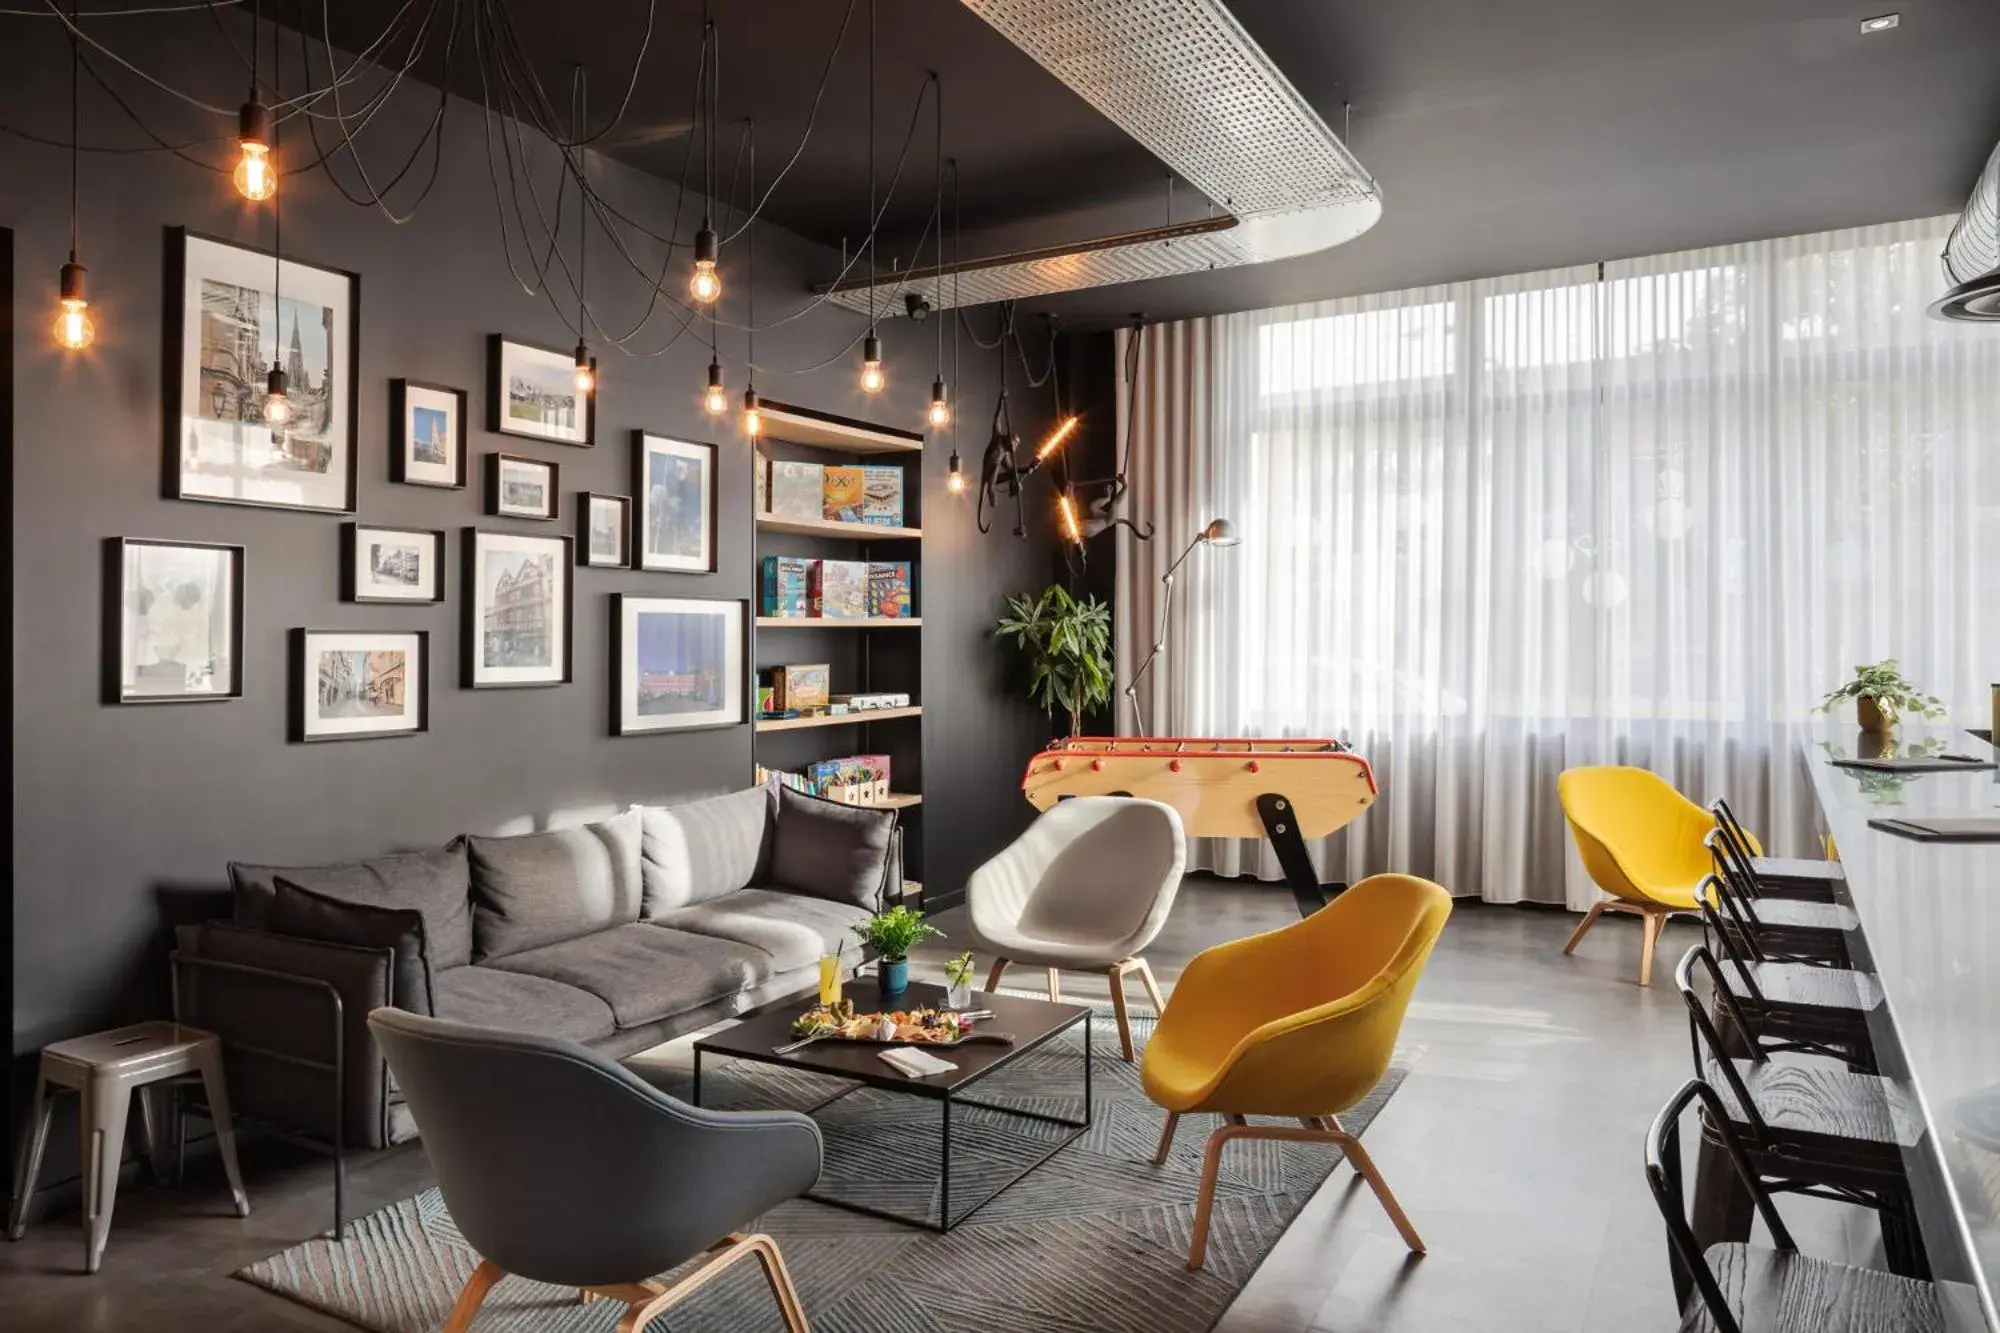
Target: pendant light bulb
x,y
1072,526
715,400
954,480
277,406
940,413
753,417
586,370
706,284
74,330
872,378
256,175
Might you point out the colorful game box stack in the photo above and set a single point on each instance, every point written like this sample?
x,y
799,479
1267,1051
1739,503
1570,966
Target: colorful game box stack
x,y
859,779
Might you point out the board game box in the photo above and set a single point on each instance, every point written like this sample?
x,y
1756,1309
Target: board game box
x,y
842,495
889,590
801,687
797,489
882,495
840,589
787,585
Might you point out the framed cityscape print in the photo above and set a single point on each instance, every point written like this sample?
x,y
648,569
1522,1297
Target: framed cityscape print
x,y
519,487
391,564
674,485
604,531
678,663
353,685
517,595
531,391
232,315
426,434
173,621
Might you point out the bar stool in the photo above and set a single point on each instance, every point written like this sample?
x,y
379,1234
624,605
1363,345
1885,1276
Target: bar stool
x,y
1796,1006
1752,1289
1778,876
1829,1133
105,1069
1787,929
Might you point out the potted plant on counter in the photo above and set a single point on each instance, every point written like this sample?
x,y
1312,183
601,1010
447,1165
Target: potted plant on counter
x,y
892,934
1881,695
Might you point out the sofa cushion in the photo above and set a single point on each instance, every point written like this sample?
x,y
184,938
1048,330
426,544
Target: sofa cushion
x,y
704,849
794,929
433,882
543,888
518,1002
832,851
307,915
646,972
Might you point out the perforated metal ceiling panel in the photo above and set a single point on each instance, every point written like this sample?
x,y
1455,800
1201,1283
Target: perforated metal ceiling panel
x,y
1185,80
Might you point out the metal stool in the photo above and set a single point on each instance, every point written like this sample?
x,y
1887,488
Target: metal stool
x,y
1795,1006
1777,876
104,1070
1787,929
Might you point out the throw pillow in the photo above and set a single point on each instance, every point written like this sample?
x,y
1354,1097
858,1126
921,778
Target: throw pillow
x,y
435,882
544,888
307,915
704,849
832,851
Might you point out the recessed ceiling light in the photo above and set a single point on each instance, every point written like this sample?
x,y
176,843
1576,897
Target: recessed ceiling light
x,y
1881,23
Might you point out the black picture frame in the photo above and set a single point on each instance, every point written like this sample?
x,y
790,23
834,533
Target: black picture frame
x,y
399,437
350,559
174,452
496,419
469,597
642,493
746,682
300,646
498,459
113,682
586,501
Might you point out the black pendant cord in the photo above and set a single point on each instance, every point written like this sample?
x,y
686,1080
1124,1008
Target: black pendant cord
x,y
277,248
957,253
709,112
750,267
937,208
75,121
870,239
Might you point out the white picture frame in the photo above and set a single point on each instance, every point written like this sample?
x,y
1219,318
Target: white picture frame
x,y
351,685
517,591
173,621
531,393
427,434
673,504
678,663
391,565
518,487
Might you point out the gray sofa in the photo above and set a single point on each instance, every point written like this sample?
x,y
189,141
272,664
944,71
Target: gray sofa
x,y
619,935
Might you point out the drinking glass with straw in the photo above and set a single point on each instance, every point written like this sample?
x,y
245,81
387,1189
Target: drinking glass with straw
x,y
829,976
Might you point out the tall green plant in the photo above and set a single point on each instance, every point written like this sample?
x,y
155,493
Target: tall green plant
x,y
1067,644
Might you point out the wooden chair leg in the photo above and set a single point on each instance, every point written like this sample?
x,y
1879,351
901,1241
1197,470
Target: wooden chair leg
x,y
1152,986
993,977
1654,920
1167,1138
789,1305
646,1301
1204,1208
472,1296
1589,920
1365,1165
1118,1010
1055,986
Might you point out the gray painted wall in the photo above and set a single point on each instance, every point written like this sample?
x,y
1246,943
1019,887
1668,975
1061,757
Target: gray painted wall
x,y
123,816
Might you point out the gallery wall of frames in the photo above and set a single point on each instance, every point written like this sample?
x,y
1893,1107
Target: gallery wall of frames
x,y
431,560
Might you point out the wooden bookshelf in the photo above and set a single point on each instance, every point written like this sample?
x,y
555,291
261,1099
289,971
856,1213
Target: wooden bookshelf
x,y
824,430
860,718
826,527
840,622
899,800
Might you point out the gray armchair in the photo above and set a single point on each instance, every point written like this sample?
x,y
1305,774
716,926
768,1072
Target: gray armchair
x,y
563,1167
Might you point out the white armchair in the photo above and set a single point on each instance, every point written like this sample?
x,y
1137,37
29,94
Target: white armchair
x,y
1086,888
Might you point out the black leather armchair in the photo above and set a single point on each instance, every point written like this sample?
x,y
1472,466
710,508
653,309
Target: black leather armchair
x,y
561,1166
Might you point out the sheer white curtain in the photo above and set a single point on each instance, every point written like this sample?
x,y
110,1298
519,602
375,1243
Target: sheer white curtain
x,y
1644,514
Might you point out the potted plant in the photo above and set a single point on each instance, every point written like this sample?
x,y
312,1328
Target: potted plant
x,y
958,982
1067,644
892,934
1881,695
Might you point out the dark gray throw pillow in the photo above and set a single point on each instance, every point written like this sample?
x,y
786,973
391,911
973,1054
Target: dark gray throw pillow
x,y
832,851
307,915
435,882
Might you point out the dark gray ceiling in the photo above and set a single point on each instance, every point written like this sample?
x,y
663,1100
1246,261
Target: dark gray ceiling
x,y
1507,136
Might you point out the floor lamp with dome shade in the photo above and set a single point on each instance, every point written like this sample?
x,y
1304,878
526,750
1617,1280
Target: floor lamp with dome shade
x,y
1220,533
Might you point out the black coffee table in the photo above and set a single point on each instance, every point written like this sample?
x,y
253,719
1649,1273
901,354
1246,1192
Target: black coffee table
x,y
1032,1023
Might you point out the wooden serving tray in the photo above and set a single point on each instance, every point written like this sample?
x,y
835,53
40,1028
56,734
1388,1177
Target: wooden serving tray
x,y
998,1038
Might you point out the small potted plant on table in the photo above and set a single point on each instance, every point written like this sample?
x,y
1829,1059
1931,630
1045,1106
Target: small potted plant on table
x,y
892,934
1881,695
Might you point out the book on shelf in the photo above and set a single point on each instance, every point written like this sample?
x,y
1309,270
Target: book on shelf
x,y
797,489
882,495
760,472
800,687
787,585
839,589
889,589
861,779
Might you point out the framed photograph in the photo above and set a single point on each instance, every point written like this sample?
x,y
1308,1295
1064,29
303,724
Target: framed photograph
x,y
173,621
531,391
678,663
354,685
604,531
391,564
231,314
517,594
426,434
674,484
520,487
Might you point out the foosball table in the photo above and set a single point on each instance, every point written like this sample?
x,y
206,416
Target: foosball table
x,y
1283,790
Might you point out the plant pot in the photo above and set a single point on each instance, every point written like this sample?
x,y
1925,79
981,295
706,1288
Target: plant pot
x,y
895,976
1872,718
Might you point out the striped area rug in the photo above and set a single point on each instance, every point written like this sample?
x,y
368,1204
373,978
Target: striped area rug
x,y
1093,1240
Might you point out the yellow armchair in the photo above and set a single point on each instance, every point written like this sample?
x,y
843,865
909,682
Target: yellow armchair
x,y
1299,1023
1641,842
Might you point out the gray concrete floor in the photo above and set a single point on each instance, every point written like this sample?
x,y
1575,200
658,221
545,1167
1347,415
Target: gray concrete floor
x,y
1514,1144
